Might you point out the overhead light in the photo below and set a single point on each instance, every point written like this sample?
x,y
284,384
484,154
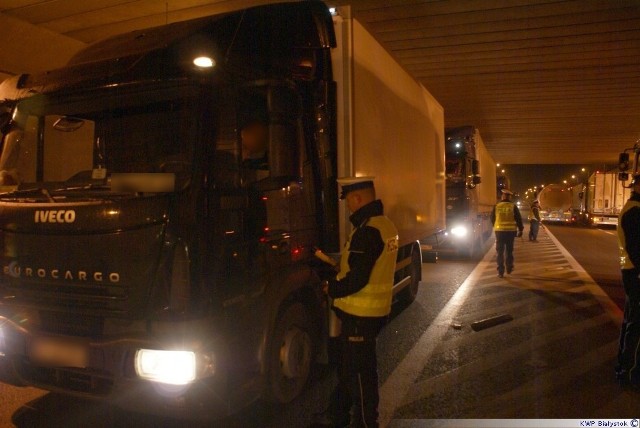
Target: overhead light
x,y
204,62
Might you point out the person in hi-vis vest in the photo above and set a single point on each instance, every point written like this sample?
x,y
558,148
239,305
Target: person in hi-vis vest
x,y
628,368
507,224
362,293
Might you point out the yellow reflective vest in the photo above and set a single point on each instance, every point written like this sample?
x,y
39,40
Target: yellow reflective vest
x,y
505,219
625,261
374,299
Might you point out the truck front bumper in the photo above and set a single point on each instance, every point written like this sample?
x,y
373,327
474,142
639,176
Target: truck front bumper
x,y
105,370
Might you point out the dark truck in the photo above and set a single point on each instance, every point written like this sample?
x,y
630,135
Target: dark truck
x,y
143,262
471,191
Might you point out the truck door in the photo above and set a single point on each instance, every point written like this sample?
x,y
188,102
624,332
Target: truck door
x,y
236,211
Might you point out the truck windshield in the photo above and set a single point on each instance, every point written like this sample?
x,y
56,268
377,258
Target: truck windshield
x,y
455,170
58,142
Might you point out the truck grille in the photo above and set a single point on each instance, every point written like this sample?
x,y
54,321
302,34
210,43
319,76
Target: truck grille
x,y
78,380
70,324
97,300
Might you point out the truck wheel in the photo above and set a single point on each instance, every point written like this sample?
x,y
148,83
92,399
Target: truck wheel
x,y
409,294
290,355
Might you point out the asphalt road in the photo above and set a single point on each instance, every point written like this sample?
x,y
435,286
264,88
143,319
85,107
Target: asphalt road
x,y
560,337
596,249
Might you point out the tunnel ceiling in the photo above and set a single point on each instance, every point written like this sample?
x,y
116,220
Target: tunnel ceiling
x,y
545,81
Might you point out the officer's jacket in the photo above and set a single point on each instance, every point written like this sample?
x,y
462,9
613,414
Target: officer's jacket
x,y
629,233
364,285
506,217
534,214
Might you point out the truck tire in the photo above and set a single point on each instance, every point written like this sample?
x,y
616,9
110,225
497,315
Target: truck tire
x,y
409,294
290,355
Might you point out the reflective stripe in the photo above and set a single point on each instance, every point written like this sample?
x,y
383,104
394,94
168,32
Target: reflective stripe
x,y
625,262
374,299
505,219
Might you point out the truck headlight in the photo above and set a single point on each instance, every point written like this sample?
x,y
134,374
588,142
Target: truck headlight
x,y
171,367
459,231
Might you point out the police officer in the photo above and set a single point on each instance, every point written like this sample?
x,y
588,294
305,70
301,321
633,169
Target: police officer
x,y
534,221
507,222
628,368
362,293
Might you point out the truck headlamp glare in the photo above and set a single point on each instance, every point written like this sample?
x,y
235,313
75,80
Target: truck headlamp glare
x,y
204,62
459,231
166,366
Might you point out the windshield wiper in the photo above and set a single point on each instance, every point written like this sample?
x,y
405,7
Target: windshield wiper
x,y
89,186
25,192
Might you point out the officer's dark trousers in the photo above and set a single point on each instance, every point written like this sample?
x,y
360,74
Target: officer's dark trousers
x,y
629,349
534,226
504,243
357,390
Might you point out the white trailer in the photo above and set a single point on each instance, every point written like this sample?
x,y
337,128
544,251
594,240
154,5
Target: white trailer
x,y
389,127
605,197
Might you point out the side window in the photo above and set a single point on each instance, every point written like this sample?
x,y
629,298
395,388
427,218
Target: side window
x,y
18,160
253,134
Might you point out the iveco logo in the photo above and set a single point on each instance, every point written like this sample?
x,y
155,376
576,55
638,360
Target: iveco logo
x,y
55,216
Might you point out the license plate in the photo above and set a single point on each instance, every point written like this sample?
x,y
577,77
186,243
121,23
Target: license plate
x,y
55,352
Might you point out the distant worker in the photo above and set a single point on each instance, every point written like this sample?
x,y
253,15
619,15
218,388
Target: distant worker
x,y
534,221
628,368
362,294
507,224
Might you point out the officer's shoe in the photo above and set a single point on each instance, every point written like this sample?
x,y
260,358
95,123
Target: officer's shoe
x,y
509,270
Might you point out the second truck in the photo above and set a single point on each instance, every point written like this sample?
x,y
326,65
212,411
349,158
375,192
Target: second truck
x,y
471,191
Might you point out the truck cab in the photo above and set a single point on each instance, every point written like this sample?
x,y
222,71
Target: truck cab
x,y
144,260
470,196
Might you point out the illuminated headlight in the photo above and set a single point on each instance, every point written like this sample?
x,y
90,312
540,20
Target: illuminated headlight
x,y
459,231
171,367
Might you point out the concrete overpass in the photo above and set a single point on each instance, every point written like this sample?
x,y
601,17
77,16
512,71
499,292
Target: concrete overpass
x,y
546,81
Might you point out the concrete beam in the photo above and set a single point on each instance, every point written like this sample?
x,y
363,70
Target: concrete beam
x,y
27,48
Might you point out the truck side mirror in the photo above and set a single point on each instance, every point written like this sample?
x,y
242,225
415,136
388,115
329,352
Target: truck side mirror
x,y
623,176
477,179
623,162
284,107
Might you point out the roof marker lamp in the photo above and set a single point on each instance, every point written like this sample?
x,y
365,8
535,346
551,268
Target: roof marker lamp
x,y
166,366
204,62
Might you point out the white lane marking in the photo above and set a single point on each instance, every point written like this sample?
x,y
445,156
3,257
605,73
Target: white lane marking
x,y
603,298
397,385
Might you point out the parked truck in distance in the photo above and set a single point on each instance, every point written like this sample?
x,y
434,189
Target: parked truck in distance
x,y
149,260
555,204
604,197
471,190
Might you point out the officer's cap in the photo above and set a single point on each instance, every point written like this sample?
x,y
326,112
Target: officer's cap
x,y
636,179
349,184
507,192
